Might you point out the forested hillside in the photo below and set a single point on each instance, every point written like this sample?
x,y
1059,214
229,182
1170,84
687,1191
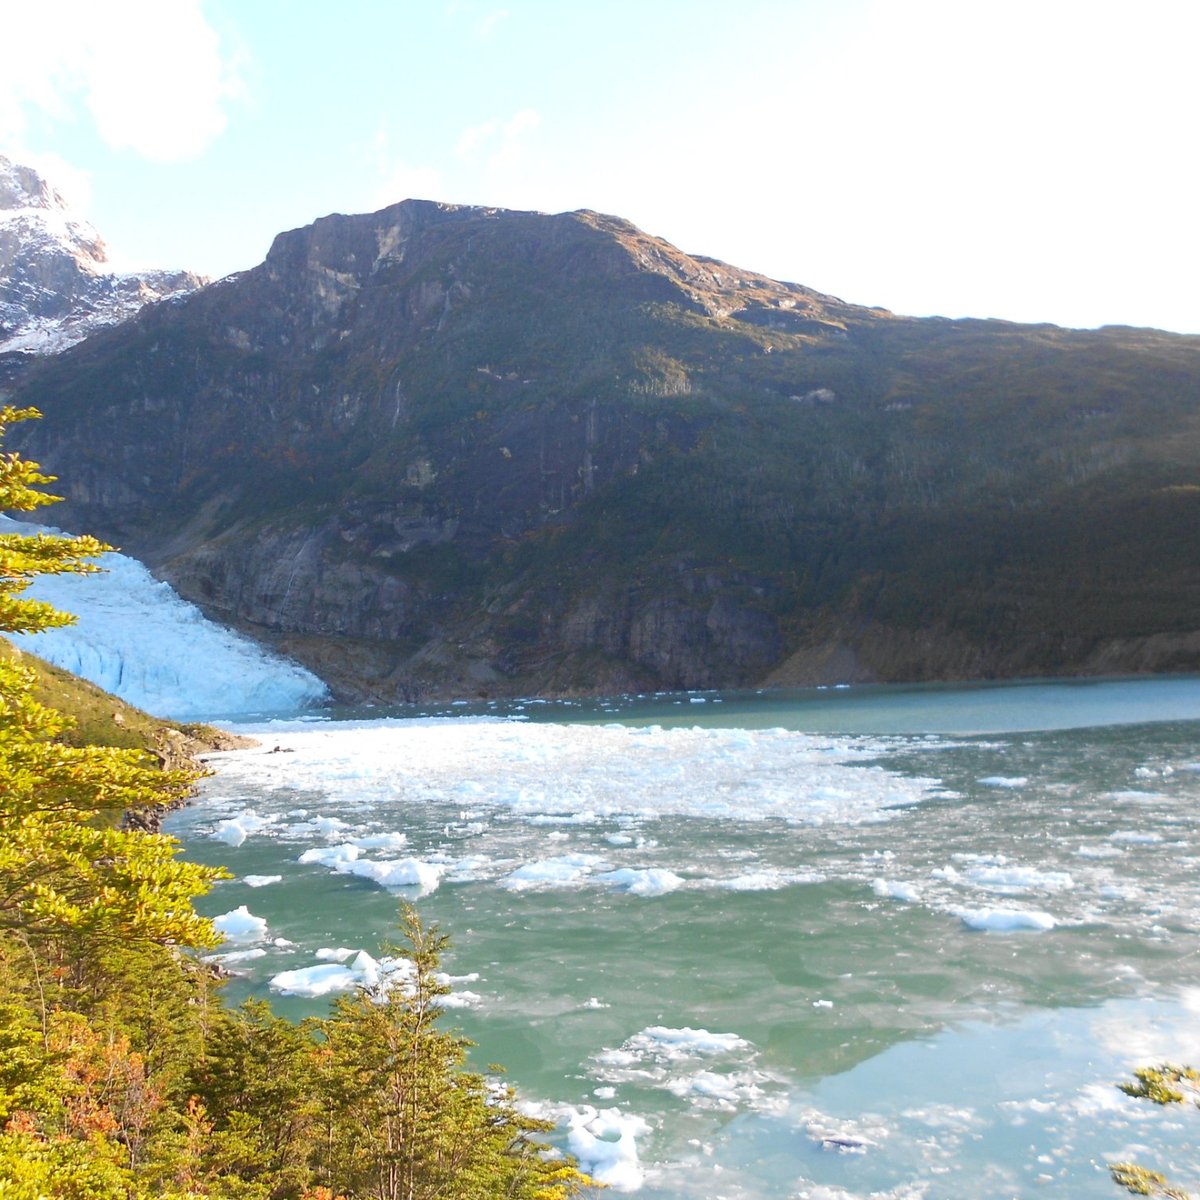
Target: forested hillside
x,y
440,450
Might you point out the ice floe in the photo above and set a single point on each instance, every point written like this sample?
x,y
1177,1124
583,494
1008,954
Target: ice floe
x,y
562,871
603,1140
1004,920
582,774
393,873
241,925
233,831
652,881
896,889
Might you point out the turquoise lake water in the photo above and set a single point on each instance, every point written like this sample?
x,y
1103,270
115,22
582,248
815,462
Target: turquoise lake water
x,y
891,942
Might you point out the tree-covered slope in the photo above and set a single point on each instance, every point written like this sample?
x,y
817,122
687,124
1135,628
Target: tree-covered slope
x,y
440,450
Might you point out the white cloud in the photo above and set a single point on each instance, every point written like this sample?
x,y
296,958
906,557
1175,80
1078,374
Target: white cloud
x,y
406,182
473,137
499,144
151,73
487,26
72,183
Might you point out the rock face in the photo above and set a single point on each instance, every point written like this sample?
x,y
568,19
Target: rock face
x,y
55,284
441,450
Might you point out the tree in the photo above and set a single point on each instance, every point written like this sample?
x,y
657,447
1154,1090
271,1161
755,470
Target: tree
x,y
402,1119
93,918
64,871
120,1075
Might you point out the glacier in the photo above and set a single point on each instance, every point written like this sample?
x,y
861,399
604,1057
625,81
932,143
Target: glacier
x,y
137,638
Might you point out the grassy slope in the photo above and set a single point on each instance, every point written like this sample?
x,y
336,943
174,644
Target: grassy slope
x,y
101,719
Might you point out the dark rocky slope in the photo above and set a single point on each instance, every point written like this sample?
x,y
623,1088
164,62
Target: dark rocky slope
x,y
440,450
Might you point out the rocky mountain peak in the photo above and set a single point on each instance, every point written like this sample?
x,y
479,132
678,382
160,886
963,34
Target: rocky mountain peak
x,y
56,286
23,187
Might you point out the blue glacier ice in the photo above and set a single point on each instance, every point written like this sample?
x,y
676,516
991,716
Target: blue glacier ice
x,y
135,637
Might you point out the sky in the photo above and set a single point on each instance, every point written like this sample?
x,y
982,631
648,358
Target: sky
x,y
1032,160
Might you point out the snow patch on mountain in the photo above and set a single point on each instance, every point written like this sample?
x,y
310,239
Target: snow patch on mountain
x,y
56,286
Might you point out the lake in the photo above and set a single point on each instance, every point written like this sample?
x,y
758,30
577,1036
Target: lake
x,y
892,942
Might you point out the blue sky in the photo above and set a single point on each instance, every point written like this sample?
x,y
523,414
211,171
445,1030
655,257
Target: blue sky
x,y
1025,160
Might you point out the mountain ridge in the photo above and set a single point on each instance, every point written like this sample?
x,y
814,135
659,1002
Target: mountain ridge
x,y
443,450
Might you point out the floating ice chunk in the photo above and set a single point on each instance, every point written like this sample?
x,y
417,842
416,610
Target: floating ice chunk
x,y
1004,920
1010,880
896,889
653,881
707,1089
235,830
363,970
460,999
241,925
235,956
335,953
229,832
321,980
397,873
1099,852
1135,837
822,1004
666,1044
257,881
850,1137
605,1143
329,826
336,857
1005,781
762,881
366,968
553,872
346,859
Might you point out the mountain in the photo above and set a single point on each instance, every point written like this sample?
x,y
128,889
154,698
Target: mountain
x,y
55,283
441,450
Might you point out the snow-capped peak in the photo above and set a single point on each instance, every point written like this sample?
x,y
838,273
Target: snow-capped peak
x,y
55,285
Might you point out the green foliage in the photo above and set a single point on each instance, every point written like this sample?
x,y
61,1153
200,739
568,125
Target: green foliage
x,y
1143,1182
121,1077
1159,1085
403,1119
